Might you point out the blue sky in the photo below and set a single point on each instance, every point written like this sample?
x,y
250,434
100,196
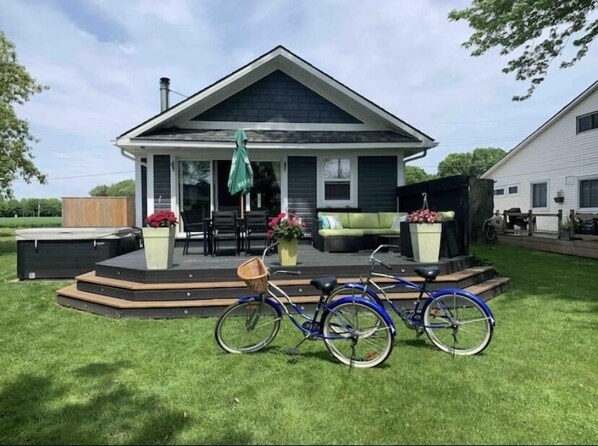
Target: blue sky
x,y
102,61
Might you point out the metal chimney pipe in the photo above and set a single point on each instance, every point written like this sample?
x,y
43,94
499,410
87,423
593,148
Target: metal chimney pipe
x,y
164,90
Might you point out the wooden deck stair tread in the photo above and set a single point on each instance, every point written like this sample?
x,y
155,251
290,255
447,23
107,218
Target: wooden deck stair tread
x,y
71,291
91,277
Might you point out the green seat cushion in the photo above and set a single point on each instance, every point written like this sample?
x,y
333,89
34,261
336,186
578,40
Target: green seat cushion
x,y
340,232
386,231
363,220
342,216
446,215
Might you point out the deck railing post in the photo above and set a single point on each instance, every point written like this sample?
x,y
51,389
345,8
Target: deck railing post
x,y
504,222
572,223
530,222
559,218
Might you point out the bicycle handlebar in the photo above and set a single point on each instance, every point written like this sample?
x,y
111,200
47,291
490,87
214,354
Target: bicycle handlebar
x,y
380,262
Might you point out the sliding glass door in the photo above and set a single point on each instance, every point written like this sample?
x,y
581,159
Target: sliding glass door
x,y
195,178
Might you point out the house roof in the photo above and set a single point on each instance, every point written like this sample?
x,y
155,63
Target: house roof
x,y
392,129
280,136
519,147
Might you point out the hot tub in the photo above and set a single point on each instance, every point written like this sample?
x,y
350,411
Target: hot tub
x,y
63,253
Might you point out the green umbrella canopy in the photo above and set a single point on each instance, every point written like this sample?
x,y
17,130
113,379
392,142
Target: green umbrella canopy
x,y
240,178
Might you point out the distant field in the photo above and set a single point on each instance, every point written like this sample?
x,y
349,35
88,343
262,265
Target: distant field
x,y
30,222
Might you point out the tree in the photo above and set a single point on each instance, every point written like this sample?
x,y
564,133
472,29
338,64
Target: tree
x,y
414,174
472,164
16,87
543,27
125,188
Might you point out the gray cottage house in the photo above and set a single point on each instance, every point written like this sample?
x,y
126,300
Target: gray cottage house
x,y
313,142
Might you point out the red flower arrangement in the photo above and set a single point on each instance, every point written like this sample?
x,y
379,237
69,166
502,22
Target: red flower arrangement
x,y
285,227
161,219
423,215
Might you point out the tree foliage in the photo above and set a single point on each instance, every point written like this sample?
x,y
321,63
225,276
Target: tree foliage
x,y
541,28
414,174
16,87
125,188
472,164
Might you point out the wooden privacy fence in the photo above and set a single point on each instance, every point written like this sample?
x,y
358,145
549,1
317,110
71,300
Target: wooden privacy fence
x,y
98,211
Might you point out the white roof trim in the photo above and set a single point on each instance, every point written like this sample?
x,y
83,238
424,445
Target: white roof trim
x,y
588,91
279,58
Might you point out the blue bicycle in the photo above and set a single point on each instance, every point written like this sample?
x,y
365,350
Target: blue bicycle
x,y
356,331
455,321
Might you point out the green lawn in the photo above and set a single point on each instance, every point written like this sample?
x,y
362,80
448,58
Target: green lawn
x,y
72,377
30,222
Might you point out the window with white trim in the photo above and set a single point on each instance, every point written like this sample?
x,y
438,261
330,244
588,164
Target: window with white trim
x,y
588,193
539,195
513,190
587,122
500,191
337,180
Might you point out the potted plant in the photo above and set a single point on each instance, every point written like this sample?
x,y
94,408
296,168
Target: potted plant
x,y
286,229
425,231
158,239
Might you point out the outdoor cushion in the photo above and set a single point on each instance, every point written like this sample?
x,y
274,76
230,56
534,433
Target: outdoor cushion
x,y
331,222
382,231
340,232
446,215
396,224
364,220
387,218
343,217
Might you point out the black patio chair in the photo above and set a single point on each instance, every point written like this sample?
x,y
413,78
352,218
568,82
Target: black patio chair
x,y
256,229
518,220
225,227
193,225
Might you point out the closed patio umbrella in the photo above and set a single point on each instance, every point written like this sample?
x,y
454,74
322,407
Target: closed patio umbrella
x,y
240,178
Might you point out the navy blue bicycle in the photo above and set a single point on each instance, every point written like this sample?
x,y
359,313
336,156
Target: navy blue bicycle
x,y
455,321
357,331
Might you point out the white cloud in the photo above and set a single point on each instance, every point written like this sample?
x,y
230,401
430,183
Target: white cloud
x,y
403,55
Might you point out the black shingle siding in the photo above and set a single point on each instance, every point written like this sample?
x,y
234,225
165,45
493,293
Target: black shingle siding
x,y
377,183
161,182
277,98
303,188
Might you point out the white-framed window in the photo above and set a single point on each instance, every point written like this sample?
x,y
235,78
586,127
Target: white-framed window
x,y
539,194
337,181
587,122
499,192
588,193
513,190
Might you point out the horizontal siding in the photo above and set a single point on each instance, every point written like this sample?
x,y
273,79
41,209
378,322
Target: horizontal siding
x,y
161,182
559,156
302,188
277,98
377,183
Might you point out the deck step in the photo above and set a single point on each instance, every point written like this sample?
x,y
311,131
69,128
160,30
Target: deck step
x,y
71,296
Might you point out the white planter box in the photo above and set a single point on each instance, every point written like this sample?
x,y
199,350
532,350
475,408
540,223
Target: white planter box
x,y
158,244
425,241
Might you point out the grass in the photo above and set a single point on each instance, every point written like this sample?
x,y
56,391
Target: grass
x,y
30,222
73,377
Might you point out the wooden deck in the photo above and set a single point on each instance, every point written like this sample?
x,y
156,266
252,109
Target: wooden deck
x,y
581,245
199,285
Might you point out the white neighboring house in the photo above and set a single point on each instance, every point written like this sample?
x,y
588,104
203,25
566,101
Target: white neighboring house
x,y
559,159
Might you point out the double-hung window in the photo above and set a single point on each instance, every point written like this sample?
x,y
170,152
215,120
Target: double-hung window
x,y
539,195
587,122
338,181
588,193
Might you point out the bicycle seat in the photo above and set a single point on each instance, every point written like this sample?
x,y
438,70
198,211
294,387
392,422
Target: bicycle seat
x,y
324,284
427,272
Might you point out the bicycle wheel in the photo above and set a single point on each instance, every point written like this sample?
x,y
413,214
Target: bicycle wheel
x,y
458,325
247,327
490,234
357,335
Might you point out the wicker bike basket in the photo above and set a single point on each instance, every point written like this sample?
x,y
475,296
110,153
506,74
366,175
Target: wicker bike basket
x,y
255,275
